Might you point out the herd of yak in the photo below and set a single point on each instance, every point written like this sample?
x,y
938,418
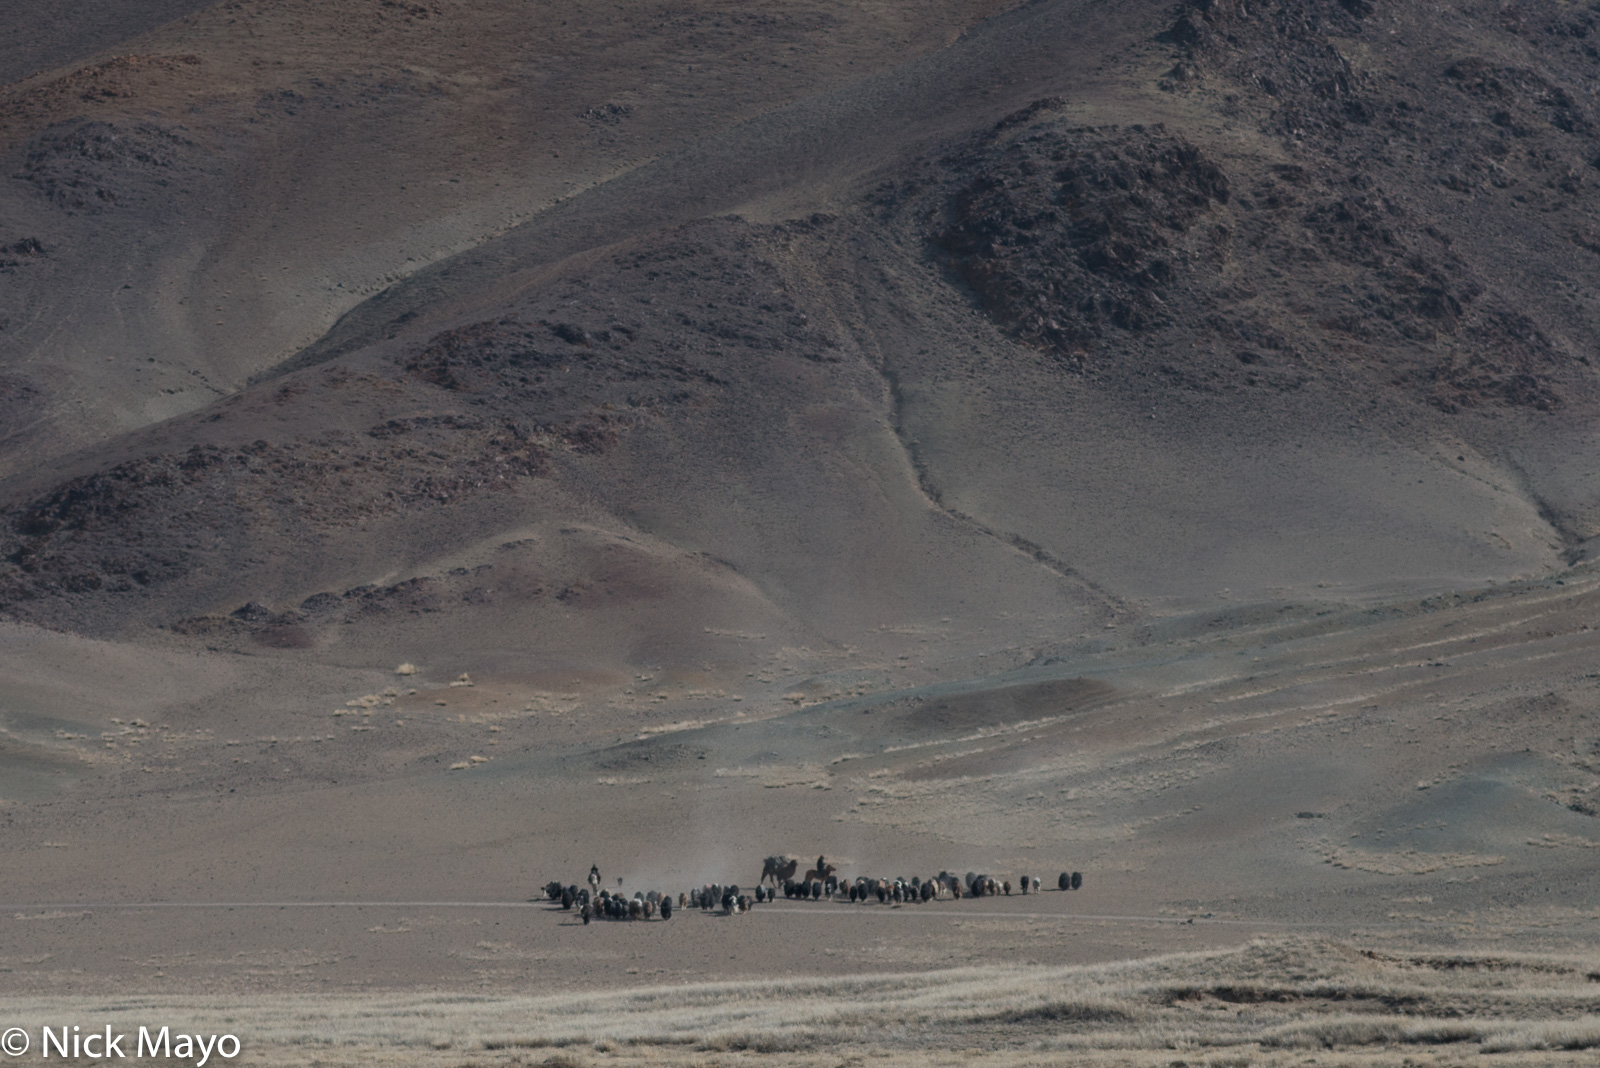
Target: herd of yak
x,y
820,883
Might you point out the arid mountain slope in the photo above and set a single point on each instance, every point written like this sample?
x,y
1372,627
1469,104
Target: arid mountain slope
x,y
200,202
1162,336
1149,438
42,37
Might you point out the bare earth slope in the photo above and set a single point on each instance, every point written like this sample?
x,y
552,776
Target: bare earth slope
x,y
209,198
1216,355
1144,439
44,36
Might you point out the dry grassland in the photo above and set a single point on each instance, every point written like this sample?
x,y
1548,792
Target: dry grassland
x,y
1277,1002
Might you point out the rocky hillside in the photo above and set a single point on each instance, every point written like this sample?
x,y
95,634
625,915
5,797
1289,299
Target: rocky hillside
x,y
1293,299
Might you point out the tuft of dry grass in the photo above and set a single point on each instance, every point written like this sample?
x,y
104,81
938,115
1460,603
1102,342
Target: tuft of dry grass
x,y
1266,1003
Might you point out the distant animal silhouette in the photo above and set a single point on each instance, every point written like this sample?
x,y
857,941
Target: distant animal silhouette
x,y
778,869
820,872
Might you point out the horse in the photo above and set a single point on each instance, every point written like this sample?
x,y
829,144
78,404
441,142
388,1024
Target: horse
x,y
821,872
